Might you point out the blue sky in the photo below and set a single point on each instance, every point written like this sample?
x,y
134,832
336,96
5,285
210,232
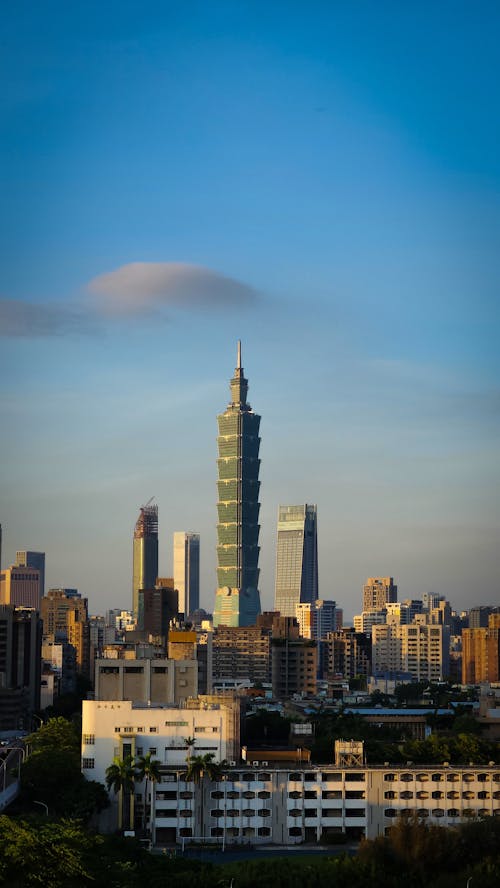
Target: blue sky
x,y
320,180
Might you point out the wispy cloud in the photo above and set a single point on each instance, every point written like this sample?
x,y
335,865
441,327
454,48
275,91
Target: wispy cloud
x,y
139,288
31,319
142,287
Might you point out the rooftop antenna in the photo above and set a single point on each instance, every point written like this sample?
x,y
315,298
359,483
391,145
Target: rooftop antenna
x,y
238,360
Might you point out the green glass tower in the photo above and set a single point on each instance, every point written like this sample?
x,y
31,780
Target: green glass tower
x,y
237,601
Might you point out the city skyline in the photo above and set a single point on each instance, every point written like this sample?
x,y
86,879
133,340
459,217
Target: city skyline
x,y
322,185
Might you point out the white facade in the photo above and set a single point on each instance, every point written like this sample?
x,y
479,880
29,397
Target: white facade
x,y
285,806
187,571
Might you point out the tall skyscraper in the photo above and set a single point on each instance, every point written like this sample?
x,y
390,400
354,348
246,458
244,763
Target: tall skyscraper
x,y
187,571
296,558
237,601
145,557
26,558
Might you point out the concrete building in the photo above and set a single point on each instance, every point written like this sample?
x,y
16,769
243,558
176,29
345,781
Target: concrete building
x,y
421,649
145,679
289,805
316,619
242,653
481,652
158,607
65,618
20,587
294,661
348,653
119,727
237,599
187,571
296,558
20,666
377,592
194,644
27,558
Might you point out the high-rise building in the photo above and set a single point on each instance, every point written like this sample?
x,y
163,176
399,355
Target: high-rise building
x,y
65,618
26,558
187,571
296,558
379,591
20,586
20,666
237,601
481,652
145,558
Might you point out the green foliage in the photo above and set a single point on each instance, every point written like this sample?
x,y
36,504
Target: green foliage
x,y
56,733
201,766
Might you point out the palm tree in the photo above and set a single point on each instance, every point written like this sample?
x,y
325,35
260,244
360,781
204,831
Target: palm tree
x,y
189,741
201,768
120,776
147,769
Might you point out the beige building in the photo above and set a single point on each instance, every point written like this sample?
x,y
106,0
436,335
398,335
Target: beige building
x,y
145,680
420,649
242,653
65,617
377,592
481,653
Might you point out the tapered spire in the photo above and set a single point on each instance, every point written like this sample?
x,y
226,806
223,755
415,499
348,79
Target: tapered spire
x,y
238,384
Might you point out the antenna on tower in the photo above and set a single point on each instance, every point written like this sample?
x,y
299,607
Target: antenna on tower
x,y
238,359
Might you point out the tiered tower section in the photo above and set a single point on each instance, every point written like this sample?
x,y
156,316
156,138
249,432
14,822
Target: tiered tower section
x,y
237,601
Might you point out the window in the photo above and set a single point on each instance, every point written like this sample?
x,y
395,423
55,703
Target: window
x,y
263,831
153,730
295,831
264,794
295,794
310,794
177,724
406,794
128,730
390,794
217,794
389,777
331,778
390,812
356,777
216,812
248,794
295,777
232,812
437,778
311,812
186,832
407,778
310,778
438,812
185,794
355,794
117,730
88,763
331,812
483,794
453,812
437,794
355,812
264,812
152,750
331,794
216,831
265,776
422,812
248,812
88,739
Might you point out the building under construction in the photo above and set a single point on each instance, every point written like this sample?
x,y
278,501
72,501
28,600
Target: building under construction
x,y
145,555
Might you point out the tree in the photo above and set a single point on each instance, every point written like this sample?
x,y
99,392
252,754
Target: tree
x,y
56,733
147,770
189,741
120,777
201,768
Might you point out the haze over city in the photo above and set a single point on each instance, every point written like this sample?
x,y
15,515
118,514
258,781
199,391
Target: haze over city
x,y
320,181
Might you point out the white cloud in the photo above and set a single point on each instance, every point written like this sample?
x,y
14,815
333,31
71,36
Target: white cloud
x,y
142,287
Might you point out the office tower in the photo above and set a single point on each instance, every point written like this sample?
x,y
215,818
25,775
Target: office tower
x,y
296,558
20,586
20,666
26,558
379,591
187,571
145,555
237,601
478,616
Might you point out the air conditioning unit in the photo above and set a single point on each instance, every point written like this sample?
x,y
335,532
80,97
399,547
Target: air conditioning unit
x,y
265,764
232,764
255,764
